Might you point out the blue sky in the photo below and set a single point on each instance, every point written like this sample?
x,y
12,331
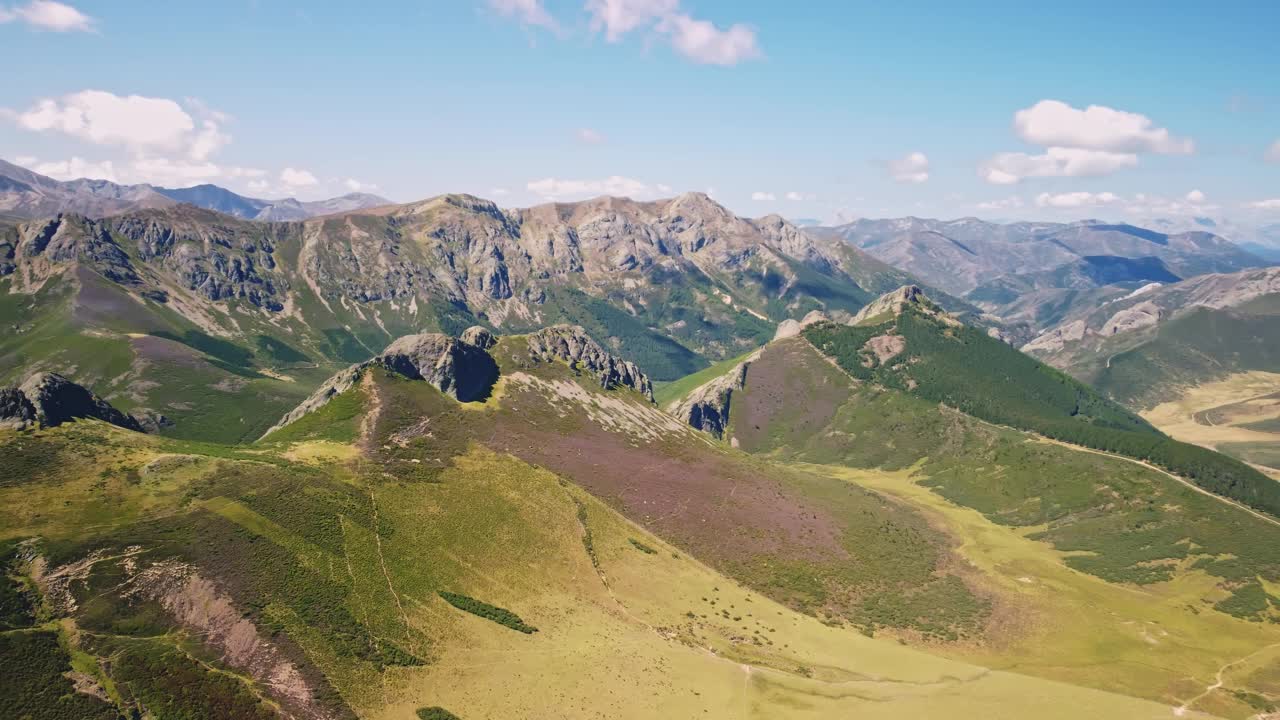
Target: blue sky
x,y
812,109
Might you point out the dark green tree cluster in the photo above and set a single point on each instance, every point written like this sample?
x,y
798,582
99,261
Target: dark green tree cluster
x,y
502,616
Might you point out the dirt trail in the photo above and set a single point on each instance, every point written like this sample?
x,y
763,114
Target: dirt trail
x,y
382,561
1182,709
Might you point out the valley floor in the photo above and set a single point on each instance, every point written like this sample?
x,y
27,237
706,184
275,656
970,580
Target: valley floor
x,y
1239,416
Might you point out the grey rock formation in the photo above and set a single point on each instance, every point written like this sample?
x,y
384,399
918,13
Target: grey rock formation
x,y
707,407
461,370
572,344
49,400
479,336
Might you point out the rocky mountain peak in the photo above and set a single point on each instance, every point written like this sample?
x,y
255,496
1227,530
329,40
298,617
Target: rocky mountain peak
x,y
892,303
48,400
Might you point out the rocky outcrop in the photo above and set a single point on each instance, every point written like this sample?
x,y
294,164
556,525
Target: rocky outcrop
x,y
461,370
1057,338
48,400
707,407
572,344
891,303
1139,316
479,336
790,328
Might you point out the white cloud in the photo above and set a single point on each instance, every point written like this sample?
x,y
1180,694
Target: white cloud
x,y
499,192
1273,153
703,42
911,168
795,196
761,196
528,12
72,169
1052,123
1010,203
1269,204
664,189
1011,167
48,15
557,189
1195,197
698,40
293,178
259,186
25,161
1076,200
589,136
139,123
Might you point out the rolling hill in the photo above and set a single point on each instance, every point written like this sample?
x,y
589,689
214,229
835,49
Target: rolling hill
x,y
381,553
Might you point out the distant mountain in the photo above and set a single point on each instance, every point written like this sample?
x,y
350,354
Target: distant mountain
x,y
29,195
1150,345
26,194
960,255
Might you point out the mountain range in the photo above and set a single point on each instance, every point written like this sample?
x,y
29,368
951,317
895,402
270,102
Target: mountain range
x,y
26,194
635,459
961,256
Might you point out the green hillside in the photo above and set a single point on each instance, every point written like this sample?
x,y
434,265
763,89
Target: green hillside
x,y
961,367
1199,345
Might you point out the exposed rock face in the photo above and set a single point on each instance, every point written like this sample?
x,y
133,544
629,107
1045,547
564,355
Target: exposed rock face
x,y
459,369
1135,318
707,408
48,400
572,344
479,336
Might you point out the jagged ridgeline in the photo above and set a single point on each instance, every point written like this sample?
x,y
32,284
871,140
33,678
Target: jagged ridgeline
x,y
919,349
221,324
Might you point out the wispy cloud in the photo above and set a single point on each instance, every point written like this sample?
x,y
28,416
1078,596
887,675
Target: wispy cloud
x,y
617,185
910,168
762,196
526,12
589,136
696,39
48,15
